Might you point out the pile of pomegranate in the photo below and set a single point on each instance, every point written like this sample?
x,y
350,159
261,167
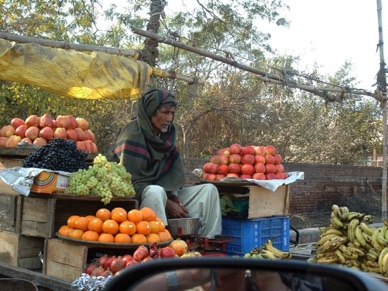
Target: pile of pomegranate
x,y
39,130
245,162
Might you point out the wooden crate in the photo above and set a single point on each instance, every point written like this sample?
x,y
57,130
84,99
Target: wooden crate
x,y
64,260
261,201
10,213
42,215
21,251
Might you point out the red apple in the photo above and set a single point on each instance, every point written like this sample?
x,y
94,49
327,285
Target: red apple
x,y
269,150
279,176
206,167
259,176
80,134
47,133
245,176
73,122
269,159
32,120
247,169
26,139
248,159
46,120
219,177
234,168
32,132
3,141
63,121
223,169
224,151
81,145
16,122
234,175
21,130
90,135
278,159
235,148
235,159
214,159
279,168
259,159
211,177
213,169
247,150
40,141
270,176
259,168
223,160
12,141
60,132
7,130
204,176
71,134
82,123
89,146
259,150
285,175
270,168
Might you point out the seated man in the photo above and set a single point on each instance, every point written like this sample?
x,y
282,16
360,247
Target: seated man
x,y
146,147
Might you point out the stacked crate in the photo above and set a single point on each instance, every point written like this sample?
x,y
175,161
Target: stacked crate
x,y
266,218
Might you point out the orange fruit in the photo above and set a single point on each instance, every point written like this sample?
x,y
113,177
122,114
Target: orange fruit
x,y
64,230
162,225
153,237
148,214
166,231
122,238
155,226
127,227
76,234
163,236
143,227
106,238
95,224
103,214
110,226
81,223
118,214
90,235
139,238
71,220
135,215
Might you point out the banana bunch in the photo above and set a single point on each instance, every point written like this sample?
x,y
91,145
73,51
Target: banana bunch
x,y
268,251
383,262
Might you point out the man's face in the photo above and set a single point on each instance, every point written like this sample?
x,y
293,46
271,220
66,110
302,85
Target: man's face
x,y
163,118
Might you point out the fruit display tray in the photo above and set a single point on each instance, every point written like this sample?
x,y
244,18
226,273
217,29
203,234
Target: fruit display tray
x,y
108,245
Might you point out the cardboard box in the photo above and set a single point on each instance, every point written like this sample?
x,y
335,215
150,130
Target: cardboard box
x,y
21,251
64,260
250,233
261,201
50,182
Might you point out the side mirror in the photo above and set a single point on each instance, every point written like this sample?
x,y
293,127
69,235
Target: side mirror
x,y
234,274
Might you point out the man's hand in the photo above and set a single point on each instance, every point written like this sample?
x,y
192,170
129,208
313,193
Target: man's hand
x,y
175,208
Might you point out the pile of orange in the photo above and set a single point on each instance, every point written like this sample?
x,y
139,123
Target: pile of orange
x,y
137,226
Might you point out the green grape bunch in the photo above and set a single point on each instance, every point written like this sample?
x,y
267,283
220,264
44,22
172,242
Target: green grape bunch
x,y
104,179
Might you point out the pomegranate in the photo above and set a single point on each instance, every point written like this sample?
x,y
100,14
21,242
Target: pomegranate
x,y
130,263
140,253
127,258
99,271
90,268
101,261
167,252
117,264
109,261
179,246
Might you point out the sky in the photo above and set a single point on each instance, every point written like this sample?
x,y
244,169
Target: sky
x,y
330,32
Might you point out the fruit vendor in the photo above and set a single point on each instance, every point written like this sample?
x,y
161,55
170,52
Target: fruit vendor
x,y
146,147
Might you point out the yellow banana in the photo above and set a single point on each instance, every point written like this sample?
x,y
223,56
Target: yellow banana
x,y
336,210
385,221
365,228
333,231
357,251
352,229
322,255
345,250
367,237
371,257
356,263
328,260
368,218
337,223
267,255
354,215
247,256
278,253
382,255
374,241
359,236
325,238
343,213
340,256
352,256
374,252
380,238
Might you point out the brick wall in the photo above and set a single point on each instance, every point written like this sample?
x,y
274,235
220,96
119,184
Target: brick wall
x,y
358,187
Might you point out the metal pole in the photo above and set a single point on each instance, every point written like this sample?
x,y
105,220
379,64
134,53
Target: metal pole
x,y
382,87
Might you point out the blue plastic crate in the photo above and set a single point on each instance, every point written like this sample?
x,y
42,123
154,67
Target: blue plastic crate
x,y
250,233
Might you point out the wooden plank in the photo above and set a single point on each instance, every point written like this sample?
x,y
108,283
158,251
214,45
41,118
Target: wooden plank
x,y
8,212
35,217
64,260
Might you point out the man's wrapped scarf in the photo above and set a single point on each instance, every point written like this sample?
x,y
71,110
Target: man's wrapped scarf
x,y
151,160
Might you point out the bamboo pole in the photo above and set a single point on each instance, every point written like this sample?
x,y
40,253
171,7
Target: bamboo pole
x,y
262,75
382,85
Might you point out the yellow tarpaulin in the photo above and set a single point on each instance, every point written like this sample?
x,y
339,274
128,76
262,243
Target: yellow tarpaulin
x,y
71,73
